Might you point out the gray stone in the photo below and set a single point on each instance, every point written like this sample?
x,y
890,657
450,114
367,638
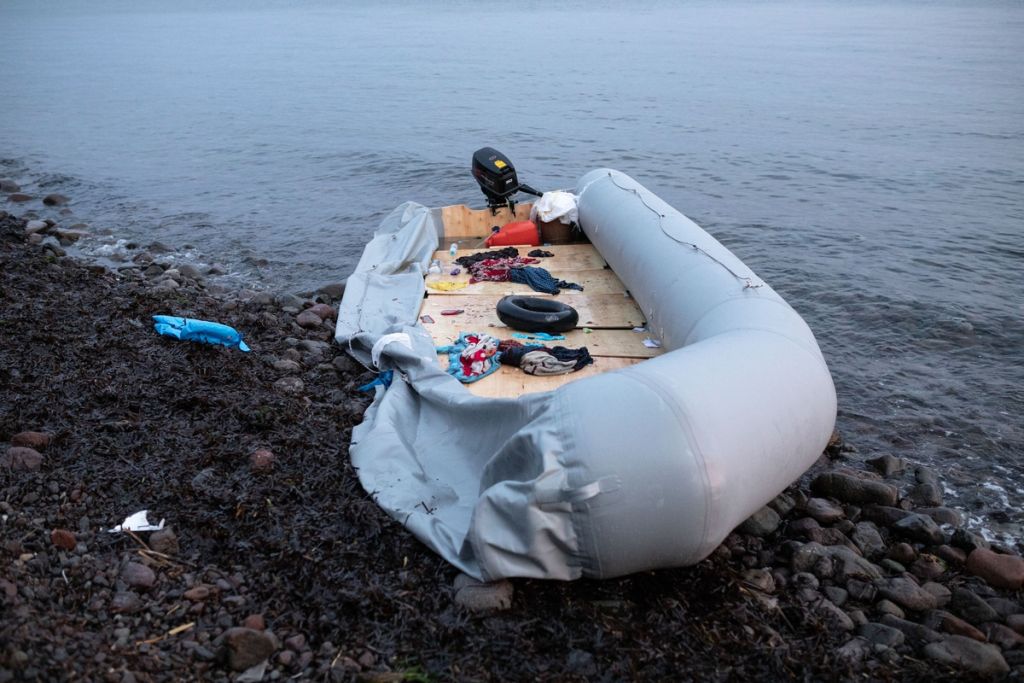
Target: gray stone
x,y
867,538
836,594
760,579
903,553
854,652
164,541
906,593
969,541
851,489
126,603
21,459
7,185
55,199
804,580
892,566
850,565
927,567
19,197
921,529
1004,607
942,594
824,511
290,385
861,591
802,526
52,244
944,621
246,647
925,495
969,606
482,597
153,271
290,303
32,227
969,655
287,366
833,616
916,633
334,290
884,515
761,523
138,575
925,475
189,271
880,634
888,465
942,515
308,319
889,607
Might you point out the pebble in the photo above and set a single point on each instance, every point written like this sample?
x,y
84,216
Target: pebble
x,y
308,319
1003,636
125,602
761,523
880,634
55,199
198,593
803,526
888,465
940,620
942,515
889,607
854,651
189,271
760,579
925,495
285,365
334,290
967,654
164,541
823,511
296,643
1003,607
884,515
850,489
7,185
862,591
866,537
255,622
928,567
951,555
34,227
942,594
262,460
19,197
64,539
138,575
1016,622
482,597
21,459
837,595
905,593
35,440
920,528
1000,571
835,617
968,605
246,647
917,633
290,385
969,541
324,311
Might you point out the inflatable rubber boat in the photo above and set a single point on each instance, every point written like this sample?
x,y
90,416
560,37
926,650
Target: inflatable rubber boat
x,y
708,394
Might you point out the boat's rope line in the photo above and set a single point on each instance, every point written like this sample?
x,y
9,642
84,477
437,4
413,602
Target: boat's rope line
x,y
748,282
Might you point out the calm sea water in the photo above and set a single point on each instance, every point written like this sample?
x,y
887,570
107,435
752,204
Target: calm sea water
x,y
866,159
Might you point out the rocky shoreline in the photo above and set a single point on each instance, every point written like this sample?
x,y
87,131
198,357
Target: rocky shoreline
x,y
275,564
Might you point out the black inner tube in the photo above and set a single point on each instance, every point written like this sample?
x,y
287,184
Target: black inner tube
x,y
534,314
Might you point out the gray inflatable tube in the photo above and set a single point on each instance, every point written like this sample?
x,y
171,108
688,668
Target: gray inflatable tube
x,y
646,467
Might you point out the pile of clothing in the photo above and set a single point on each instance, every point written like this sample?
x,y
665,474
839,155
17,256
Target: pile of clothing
x,y
536,359
474,356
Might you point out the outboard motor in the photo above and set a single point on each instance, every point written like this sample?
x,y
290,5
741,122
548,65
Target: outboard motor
x,y
497,178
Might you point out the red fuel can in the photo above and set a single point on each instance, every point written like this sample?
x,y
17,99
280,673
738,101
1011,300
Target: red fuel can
x,y
510,234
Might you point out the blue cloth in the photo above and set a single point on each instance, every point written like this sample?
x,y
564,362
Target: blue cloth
x,y
204,331
383,379
539,336
540,280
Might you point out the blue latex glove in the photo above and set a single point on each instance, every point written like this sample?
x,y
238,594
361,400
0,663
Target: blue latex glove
x,y
199,330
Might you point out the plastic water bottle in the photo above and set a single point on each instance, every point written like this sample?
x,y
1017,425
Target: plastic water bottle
x,y
435,267
452,250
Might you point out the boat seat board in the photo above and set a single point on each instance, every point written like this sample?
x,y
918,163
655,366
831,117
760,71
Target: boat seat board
x,y
567,257
592,281
460,221
597,311
511,381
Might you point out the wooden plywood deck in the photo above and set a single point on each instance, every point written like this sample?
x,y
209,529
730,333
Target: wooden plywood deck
x,y
607,313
